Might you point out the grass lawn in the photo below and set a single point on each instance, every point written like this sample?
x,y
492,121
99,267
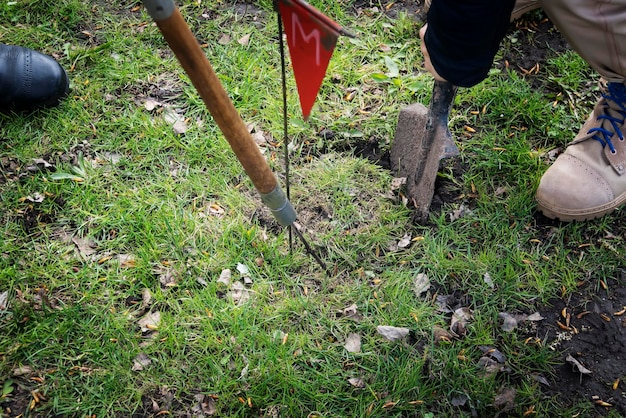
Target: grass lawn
x,y
140,275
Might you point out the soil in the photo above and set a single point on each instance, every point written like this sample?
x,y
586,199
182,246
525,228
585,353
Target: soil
x,y
590,326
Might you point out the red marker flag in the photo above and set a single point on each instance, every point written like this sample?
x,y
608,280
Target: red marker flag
x,y
311,37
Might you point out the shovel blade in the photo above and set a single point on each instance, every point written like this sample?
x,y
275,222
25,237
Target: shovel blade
x,y
405,150
422,139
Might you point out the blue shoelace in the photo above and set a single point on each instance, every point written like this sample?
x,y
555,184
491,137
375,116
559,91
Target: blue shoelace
x,y
617,94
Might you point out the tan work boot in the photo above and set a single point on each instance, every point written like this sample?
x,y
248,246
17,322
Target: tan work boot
x,y
521,7
589,179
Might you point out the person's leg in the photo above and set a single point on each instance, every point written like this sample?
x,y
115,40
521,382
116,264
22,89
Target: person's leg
x,y
521,7
29,79
589,179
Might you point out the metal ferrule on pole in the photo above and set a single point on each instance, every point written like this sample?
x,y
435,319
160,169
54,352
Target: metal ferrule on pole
x,y
280,206
159,9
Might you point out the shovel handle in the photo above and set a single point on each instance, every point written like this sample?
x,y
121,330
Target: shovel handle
x,y
195,63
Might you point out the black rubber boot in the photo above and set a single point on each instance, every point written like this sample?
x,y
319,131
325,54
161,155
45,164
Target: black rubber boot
x,y
29,79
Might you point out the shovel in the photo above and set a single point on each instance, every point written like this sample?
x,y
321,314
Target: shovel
x,y
195,63
422,139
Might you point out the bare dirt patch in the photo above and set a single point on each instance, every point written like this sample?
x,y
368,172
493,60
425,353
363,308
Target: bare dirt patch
x,y
589,328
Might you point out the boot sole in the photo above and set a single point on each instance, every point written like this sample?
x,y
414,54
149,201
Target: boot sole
x,y
568,215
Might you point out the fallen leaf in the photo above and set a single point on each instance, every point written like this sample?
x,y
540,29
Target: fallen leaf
x,y
460,212
146,297
357,382
205,405
245,273
392,333
405,241
397,183
35,198
4,300
443,303
539,378
578,365
151,104
180,127
353,343
224,39
492,361
216,210
239,293
171,116
494,353
243,269
150,321
421,283
225,277
140,362
459,400
511,321
22,370
441,335
126,260
167,279
460,319
500,191
42,162
352,312
505,399
487,279
85,246
535,317
244,371
244,40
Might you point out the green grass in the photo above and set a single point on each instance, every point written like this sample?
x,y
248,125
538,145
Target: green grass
x,y
166,213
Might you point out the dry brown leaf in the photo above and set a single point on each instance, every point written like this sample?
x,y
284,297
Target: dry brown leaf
x,y
141,362
405,241
146,297
224,278
353,343
392,333
167,279
244,40
85,246
357,382
22,370
205,405
397,183
126,260
511,321
352,312
421,283
578,365
151,104
239,293
150,321
4,300
460,319
460,212
441,335
224,39
505,399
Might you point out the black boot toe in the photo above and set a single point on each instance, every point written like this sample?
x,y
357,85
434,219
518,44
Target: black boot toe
x,y
29,79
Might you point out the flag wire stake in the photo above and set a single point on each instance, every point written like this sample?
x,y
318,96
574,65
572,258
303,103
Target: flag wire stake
x,y
285,128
